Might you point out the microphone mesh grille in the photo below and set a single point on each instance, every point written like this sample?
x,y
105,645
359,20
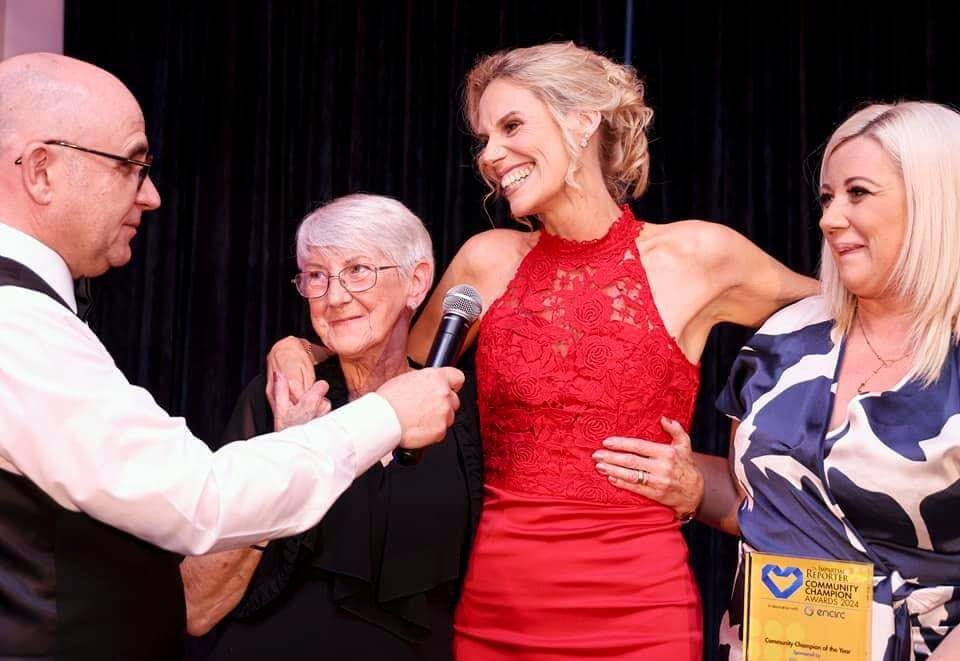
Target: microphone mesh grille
x,y
463,300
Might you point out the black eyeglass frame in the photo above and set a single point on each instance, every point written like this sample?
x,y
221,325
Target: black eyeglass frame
x,y
331,276
144,165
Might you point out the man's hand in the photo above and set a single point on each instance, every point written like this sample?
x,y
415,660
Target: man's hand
x,y
286,413
425,402
290,357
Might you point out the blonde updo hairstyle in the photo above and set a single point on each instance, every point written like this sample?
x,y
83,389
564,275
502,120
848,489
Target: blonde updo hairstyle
x,y
568,78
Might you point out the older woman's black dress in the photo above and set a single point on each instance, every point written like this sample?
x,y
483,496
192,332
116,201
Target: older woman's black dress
x,y
378,578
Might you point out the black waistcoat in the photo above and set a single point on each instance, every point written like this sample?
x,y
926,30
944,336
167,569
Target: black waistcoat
x,y
72,587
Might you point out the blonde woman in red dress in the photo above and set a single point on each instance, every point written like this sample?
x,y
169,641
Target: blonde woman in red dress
x,y
593,326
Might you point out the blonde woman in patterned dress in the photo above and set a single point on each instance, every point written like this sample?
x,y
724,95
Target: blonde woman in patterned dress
x,y
846,406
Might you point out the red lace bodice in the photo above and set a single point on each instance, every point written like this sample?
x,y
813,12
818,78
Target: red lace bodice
x,y
575,351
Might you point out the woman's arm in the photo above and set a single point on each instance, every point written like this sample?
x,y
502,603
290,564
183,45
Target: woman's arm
x,y
214,584
723,494
753,284
421,335
487,262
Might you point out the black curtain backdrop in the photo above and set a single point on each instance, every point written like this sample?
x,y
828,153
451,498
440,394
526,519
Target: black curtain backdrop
x,y
259,111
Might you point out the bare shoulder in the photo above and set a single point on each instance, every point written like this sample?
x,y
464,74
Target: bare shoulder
x,y
487,261
488,249
492,252
706,242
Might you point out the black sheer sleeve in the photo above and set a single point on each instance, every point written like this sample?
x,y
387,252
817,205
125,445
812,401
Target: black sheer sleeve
x,y
276,572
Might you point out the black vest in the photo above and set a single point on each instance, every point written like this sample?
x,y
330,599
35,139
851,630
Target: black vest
x,y
72,587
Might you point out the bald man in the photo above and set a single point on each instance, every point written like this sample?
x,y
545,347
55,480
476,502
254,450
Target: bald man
x,y
99,487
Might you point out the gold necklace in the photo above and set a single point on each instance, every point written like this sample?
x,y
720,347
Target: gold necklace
x,y
883,361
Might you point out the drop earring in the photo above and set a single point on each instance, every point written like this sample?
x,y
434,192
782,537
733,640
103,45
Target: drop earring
x,y
586,139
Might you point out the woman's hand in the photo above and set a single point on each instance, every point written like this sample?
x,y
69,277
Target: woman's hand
x,y
286,412
292,358
667,474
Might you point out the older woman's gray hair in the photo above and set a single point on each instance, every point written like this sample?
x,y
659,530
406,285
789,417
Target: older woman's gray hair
x,y
366,222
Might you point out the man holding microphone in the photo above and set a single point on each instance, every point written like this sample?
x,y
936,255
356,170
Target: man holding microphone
x,y
99,487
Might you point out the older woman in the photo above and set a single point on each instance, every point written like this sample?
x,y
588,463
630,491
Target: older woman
x,y
593,325
378,577
846,442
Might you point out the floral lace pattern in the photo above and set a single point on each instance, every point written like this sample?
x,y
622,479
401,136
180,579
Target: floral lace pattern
x,y
575,351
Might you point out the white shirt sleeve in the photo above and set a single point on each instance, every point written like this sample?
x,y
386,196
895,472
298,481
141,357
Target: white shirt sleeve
x,y
75,426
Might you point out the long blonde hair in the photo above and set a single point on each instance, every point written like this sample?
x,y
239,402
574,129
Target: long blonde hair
x,y
568,78
923,140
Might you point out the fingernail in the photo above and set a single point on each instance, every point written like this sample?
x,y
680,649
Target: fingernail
x,y
612,479
596,455
607,443
602,468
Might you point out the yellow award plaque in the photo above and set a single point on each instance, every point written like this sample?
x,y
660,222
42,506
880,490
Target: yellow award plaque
x,y
801,609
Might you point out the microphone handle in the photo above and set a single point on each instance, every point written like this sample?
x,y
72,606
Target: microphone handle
x,y
446,345
448,341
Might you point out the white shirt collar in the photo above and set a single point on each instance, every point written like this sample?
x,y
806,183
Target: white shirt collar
x,y
40,259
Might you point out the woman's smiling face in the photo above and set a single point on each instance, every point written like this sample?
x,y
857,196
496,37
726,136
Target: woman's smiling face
x,y
864,217
355,324
524,153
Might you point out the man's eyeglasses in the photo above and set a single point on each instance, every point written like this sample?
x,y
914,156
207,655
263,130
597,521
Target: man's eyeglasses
x,y
354,278
144,165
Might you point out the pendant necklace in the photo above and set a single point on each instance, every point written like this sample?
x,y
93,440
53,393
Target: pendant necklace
x,y
861,389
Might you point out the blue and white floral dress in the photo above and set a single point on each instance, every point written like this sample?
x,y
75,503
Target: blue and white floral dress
x,y
883,487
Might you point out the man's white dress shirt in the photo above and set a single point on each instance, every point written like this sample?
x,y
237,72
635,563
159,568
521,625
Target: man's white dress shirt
x,y
72,423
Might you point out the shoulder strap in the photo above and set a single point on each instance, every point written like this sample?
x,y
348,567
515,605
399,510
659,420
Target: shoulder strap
x,y
15,274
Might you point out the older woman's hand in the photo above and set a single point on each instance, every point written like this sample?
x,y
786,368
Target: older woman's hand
x,y
294,358
286,412
664,473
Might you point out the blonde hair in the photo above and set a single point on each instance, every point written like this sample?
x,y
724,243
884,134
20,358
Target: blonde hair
x,y
923,140
568,78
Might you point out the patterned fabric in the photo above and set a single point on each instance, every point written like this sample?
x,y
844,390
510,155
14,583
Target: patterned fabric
x,y
573,352
880,488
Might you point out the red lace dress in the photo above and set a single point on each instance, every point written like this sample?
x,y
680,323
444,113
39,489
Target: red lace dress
x,y
565,566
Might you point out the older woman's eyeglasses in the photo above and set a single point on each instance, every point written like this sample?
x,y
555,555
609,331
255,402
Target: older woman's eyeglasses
x,y
144,165
354,278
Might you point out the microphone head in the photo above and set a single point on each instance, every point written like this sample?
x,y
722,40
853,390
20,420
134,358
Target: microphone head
x,y
463,300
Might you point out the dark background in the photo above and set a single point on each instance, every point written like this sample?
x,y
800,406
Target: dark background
x,y
259,111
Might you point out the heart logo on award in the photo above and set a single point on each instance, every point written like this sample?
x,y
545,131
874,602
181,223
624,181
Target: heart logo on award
x,y
781,581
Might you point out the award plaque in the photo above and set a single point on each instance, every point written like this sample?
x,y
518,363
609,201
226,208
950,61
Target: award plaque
x,y
801,609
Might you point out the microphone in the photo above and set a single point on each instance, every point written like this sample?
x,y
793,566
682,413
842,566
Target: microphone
x,y
462,306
